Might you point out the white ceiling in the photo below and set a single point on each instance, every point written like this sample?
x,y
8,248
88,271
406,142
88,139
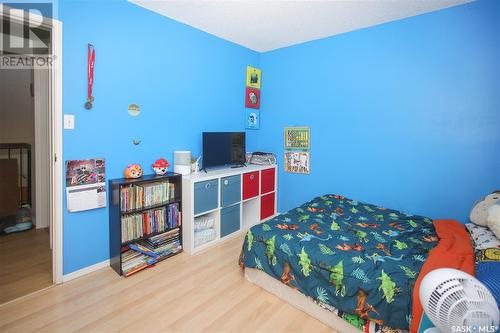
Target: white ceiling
x,y
263,25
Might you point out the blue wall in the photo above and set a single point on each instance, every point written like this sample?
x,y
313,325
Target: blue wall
x,y
185,81
404,114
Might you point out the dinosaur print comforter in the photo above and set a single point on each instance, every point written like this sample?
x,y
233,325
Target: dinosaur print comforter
x,y
355,257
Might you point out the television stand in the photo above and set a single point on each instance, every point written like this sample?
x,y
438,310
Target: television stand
x,y
241,165
232,200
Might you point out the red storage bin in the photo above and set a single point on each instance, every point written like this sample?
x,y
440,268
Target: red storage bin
x,y
250,184
267,206
268,179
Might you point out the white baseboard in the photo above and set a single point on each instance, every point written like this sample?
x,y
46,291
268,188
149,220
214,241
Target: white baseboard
x,y
85,271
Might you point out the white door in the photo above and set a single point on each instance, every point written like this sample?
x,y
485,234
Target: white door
x,y
42,99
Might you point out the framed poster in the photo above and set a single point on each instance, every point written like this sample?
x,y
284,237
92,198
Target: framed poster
x,y
252,98
297,138
298,162
85,184
252,120
253,77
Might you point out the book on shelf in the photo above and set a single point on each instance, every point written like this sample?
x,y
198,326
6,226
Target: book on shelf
x,y
147,252
134,197
152,221
133,261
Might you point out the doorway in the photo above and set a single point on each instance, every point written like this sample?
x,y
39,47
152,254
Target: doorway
x,y
30,160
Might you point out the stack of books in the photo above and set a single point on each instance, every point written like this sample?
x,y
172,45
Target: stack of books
x,y
156,193
152,221
164,244
133,261
132,227
142,254
155,221
174,215
131,198
137,197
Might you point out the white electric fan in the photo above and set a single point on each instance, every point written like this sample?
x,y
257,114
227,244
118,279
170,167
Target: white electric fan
x,y
454,300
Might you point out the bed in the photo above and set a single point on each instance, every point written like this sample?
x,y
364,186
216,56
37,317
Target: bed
x,y
335,257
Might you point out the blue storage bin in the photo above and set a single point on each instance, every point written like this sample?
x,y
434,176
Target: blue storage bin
x,y
230,190
205,196
229,220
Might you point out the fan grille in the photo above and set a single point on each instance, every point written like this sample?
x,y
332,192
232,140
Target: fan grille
x,y
460,302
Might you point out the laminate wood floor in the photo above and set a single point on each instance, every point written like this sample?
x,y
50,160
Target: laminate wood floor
x,y
206,292
26,263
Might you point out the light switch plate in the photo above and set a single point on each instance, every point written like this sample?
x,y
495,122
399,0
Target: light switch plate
x,y
69,121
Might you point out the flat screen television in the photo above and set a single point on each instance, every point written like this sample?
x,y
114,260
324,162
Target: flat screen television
x,y
223,148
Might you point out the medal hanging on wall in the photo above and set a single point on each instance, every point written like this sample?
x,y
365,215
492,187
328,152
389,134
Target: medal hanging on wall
x,y
90,76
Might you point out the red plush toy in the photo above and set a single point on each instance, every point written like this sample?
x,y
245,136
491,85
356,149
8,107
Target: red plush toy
x,y
160,166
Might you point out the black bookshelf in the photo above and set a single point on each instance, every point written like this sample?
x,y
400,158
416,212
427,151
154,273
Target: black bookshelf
x,y
116,244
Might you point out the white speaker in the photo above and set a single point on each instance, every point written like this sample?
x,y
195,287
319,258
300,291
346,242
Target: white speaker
x,y
182,162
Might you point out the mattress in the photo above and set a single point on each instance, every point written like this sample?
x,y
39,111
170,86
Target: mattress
x,y
354,259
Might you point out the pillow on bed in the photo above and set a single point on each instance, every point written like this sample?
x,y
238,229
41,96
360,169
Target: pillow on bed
x,y
483,237
488,255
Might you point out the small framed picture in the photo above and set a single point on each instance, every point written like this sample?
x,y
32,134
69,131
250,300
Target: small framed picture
x,y
253,77
252,98
298,162
252,120
297,137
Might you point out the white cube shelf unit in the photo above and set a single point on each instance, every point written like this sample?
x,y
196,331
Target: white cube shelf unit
x,y
223,203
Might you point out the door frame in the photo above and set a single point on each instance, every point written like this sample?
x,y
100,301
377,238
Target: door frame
x,y
56,140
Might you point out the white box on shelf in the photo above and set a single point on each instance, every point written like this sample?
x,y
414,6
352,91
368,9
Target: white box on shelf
x,y
182,162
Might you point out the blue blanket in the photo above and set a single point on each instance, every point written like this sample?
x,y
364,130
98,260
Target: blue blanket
x,y
357,257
